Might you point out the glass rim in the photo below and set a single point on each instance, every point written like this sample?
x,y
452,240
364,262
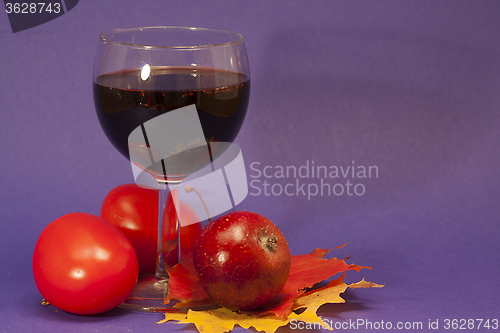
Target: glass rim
x,y
105,37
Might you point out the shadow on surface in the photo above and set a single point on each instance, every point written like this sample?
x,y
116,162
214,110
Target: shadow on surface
x,y
53,313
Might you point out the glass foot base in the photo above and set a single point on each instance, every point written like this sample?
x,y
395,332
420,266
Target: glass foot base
x,y
149,296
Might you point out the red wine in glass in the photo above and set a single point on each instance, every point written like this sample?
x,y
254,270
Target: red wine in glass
x,y
124,101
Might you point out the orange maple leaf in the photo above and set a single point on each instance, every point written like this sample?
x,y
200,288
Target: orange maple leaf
x,y
221,320
183,283
306,271
299,293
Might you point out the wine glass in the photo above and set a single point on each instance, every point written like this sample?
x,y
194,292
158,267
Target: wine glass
x,y
165,96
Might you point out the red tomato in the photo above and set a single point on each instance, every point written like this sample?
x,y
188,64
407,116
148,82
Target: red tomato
x,y
189,233
84,265
134,211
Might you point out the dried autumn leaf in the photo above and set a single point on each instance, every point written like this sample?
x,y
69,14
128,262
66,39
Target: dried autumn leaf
x,y
183,283
313,299
309,269
306,271
223,320
169,316
365,284
206,303
330,293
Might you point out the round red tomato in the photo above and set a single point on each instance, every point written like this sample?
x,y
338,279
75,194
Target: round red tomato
x,y
84,265
134,211
188,234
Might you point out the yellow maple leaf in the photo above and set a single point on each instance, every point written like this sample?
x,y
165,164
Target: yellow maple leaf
x,y
365,284
177,316
222,320
297,305
330,293
313,299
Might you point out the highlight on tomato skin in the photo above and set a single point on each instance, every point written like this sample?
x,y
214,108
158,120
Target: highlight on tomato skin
x,y
84,265
134,211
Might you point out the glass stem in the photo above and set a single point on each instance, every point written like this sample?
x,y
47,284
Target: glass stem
x,y
168,250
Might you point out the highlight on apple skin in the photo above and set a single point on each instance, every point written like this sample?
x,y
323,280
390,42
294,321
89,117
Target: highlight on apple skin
x,y
242,260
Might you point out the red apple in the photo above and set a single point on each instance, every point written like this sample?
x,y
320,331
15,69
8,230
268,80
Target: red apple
x,y
242,260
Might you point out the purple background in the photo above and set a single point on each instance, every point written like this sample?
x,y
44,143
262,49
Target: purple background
x,y
412,87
